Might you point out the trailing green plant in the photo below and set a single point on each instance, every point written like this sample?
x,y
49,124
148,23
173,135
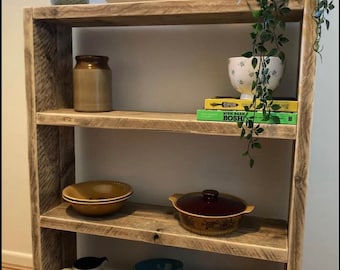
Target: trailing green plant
x,y
267,41
322,9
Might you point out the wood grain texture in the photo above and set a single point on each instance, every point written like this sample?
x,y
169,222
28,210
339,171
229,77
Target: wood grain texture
x,y
172,122
259,238
45,53
63,63
157,13
55,171
51,163
32,135
51,122
302,145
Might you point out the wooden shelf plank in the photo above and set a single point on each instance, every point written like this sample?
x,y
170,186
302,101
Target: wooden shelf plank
x,y
157,12
171,122
257,238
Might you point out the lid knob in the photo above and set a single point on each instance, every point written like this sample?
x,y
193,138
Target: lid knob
x,y
210,195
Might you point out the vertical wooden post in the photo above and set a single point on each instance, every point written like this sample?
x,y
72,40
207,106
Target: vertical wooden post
x,y
302,144
48,60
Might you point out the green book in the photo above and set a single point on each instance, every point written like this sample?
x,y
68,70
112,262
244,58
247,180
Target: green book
x,y
287,118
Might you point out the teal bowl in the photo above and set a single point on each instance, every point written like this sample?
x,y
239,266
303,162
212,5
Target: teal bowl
x,y
159,264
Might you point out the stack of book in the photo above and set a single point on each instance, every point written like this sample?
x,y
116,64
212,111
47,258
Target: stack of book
x,y
226,109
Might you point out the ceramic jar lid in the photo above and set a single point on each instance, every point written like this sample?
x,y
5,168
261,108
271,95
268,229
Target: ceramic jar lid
x,y
210,203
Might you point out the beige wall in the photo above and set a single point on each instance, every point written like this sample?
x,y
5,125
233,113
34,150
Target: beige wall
x,y
16,239
323,193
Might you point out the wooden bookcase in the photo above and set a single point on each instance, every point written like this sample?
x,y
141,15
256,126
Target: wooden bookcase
x,y
49,67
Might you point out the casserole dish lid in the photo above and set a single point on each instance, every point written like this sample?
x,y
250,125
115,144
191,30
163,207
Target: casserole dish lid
x,y
210,203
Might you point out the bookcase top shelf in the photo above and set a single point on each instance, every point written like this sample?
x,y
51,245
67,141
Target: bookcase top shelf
x,y
157,12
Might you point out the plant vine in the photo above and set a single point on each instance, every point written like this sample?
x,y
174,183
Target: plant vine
x,y
267,41
322,9
265,32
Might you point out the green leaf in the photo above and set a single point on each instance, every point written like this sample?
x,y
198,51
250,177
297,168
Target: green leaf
x,y
246,153
250,123
272,22
266,36
259,106
256,13
253,35
282,25
258,27
283,39
266,116
275,107
254,64
322,4
251,162
259,130
239,124
272,52
270,93
243,132
259,90
262,49
247,54
275,119
254,100
284,10
282,56
253,85
257,145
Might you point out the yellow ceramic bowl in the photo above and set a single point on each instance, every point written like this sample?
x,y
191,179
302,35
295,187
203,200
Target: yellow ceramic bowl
x,y
97,191
97,209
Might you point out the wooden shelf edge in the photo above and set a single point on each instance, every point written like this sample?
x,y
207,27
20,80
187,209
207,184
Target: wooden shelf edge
x,y
258,238
157,12
170,122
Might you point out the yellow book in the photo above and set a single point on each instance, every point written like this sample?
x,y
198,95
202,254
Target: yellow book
x,y
221,103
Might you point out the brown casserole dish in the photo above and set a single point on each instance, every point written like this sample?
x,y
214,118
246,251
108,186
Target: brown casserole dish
x,y
209,212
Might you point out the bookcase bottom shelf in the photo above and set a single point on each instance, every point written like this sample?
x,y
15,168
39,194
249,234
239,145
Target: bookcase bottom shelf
x,y
257,238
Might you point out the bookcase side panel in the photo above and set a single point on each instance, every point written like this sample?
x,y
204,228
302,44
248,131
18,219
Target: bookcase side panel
x,y
54,246
302,145
53,66
49,71
32,135
55,152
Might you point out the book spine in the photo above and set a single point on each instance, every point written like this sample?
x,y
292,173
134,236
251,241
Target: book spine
x,y
287,118
233,104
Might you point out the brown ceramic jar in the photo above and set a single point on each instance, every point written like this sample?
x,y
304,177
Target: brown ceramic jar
x,y
92,84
